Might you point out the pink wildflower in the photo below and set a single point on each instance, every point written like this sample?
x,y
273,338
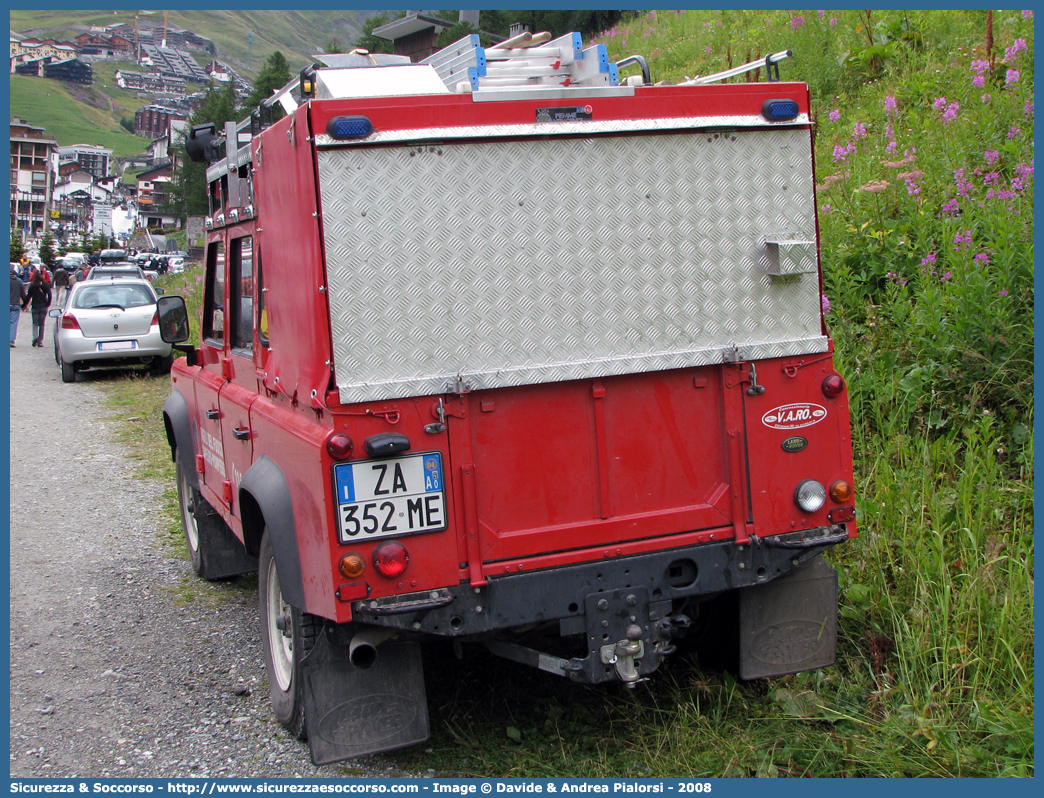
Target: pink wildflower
x,y
1002,293
859,130
982,259
1027,15
979,81
991,156
939,103
1011,77
890,106
987,97
951,208
797,22
824,303
833,20
1017,46
979,66
1014,132
834,115
951,112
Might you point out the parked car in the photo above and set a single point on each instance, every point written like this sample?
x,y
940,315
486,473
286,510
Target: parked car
x,y
117,271
176,264
108,323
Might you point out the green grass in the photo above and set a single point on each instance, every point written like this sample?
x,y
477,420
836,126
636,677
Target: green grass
x,y
933,330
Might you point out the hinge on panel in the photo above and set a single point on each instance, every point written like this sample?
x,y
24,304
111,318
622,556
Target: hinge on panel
x,y
459,386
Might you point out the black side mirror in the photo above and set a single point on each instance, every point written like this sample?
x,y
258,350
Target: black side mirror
x,y
173,319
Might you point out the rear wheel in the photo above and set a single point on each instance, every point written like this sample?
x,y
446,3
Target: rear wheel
x,y
68,369
198,520
287,634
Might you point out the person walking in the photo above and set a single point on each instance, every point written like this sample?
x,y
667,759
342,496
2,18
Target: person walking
x,y
17,297
39,295
61,281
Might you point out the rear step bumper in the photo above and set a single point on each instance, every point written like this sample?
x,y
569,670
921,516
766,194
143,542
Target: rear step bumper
x,y
656,580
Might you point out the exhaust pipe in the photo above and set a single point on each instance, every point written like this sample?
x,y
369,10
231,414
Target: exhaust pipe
x,y
362,651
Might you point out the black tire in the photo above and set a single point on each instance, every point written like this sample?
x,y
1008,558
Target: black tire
x,y
198,519
284,648
68,370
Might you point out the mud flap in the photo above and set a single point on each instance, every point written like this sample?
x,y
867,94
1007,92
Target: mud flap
x,y
352,711
790,624
222,552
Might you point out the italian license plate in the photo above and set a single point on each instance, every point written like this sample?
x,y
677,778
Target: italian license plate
x,y
107,345
390,497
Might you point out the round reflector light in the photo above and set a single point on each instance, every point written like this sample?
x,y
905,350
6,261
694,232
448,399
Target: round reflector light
x,y
352,565
810,495
833,385
390,559
339,446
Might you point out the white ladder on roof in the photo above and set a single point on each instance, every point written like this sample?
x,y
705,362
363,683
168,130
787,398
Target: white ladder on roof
x,y
523,62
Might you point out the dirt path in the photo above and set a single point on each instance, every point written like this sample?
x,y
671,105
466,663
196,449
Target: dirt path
x,y
122,662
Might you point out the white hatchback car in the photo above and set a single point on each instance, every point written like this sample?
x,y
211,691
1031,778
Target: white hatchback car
x,y
109,323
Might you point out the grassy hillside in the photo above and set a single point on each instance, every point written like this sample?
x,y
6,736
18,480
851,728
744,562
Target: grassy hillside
x,y
243,38
77,114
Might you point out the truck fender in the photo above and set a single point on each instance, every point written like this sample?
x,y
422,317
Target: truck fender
x,y
178,423
265,503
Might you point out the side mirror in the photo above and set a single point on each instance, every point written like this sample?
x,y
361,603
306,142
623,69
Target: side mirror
x,y
173,319
54,313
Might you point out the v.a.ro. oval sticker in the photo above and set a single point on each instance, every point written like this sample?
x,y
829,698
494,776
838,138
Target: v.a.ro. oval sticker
x,y
794,416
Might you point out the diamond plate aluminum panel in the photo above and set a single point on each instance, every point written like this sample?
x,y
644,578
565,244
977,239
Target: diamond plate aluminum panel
x,y
515,262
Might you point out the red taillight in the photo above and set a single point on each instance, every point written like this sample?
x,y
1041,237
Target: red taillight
x,y
339,446
390,559
155,319
69,322
833,385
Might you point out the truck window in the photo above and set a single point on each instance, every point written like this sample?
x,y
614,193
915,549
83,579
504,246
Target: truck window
x,y
214,300
242,293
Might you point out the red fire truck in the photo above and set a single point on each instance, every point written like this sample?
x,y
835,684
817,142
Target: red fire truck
x,y
499,348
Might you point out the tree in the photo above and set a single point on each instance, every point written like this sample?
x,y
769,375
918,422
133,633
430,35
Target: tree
x,y
367,41
47,253
17,250
187,194
274,74
334,46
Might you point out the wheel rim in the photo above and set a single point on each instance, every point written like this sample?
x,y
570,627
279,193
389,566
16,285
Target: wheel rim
x,y
280,644
188,519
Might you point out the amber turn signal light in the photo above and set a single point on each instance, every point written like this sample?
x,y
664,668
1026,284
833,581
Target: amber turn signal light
x,y
841,492
352,565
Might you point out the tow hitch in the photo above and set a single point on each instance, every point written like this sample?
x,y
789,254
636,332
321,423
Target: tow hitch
x,y
623,655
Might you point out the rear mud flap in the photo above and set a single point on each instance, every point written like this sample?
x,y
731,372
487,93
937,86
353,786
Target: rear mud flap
x,y
352,711
790,624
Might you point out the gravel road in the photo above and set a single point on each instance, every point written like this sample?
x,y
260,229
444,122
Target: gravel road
x,y
123,664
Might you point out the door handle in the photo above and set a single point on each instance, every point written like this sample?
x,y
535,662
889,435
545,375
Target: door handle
x,y
241,433
213,414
